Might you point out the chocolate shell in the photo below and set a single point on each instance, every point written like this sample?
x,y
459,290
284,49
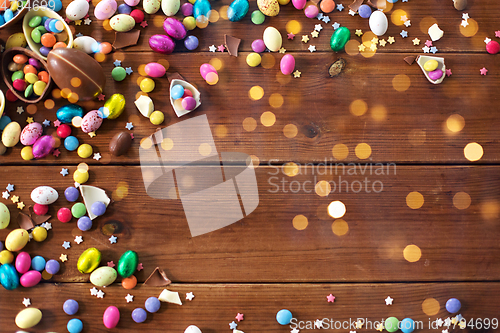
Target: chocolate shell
x,y
65,64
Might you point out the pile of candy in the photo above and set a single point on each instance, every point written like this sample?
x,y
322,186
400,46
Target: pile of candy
x,y
28,77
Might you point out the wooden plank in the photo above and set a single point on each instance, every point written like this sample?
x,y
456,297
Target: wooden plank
x,y
421,14
216,305
414,129
456,244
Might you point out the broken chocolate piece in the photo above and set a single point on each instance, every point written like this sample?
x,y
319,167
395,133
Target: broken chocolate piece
x,y
38,219
124,39
174,76
25,222
410,60
378,4
337,67
232,44
355,5
158,278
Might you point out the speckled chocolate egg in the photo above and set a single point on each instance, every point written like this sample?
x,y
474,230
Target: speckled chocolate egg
x,y
122,22
170,7
4,216
44,195
31,133
77,9
91,121
269,7
11,134
151,6
16,240
105,9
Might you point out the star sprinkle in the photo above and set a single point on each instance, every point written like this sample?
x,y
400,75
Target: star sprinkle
x,y
407,23
5,195
326,19
212,48
359,32
78,239
97,156
318,27
373,47
10,187
330,298
352,12
221,48
233,325
391,40
312,48
282,50
465,16
320,16
57,123
15,199
305,38
20,109
56,152
29,120
93,291
359,324
464,23
100,294
290,36
497,33
426,49
27,302
295,330
428,43
139,267
444,331
112,239
462,324
318,323
128,70
78,22
382,42
239,317
79,34
129,126
64,172
111,264
297,73
361,47
92,134
20,205
101,97
340,7
189,296
404,18
129,298
380,327
46,123
30,236
487,40
47,225
447,322
144,24
416,41
388,300
336,25
87,21
433,50
448,72
66,245
63,258
315,34
374,40
117,63
483,71
404,33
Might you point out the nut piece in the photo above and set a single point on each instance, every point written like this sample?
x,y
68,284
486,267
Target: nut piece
x,y
336,67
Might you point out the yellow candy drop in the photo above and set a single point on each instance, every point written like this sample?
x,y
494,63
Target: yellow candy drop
x,y
189,23
81,177
39,234
253,59
157,117
431,65
147,85
31,77
39,87
85,151
27,153
6,257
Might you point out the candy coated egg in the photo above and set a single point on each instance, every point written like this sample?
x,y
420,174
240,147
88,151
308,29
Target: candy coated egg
x,y
39,234
84,223
43,146
258,46
191,42
253,59
127,264
111,317
435,74
311,11
44,195
16,40
74,325
132,3
151,6
30,279
31,133
206,68
16,240
64,215
269,7
52,266
327,6
71,143
105,9
237,10
120,143
89,260
287,64
161,44
155,69
28,318
272,39
124,9
139,315
27,153
91,122
431,65
86,44
4,216
114,106
177,91
170,7
187,9
70,307
188,103
77,9
152,304
174,28
201,7
66,113
122,22
157,117
339,38
11,134
38,263
378,23
299,4
85,150
189,23
6,257
23,262
192,329
103,276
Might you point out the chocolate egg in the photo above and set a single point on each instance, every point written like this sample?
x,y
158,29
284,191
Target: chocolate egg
x,y
120,143
201,7
161,44
66,64
91,122
66,113
31,133
237,10
43,146
114,106
174,28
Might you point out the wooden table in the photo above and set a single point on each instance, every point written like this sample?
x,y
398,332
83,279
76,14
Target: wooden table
x,y
264,263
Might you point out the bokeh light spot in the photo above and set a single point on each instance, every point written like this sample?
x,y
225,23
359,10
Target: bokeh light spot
x,y
276,100
268,118
358,107
290,131
461,200
323,188
473,151
255,93
249,124
401,82
340,151
300,222
293,27
430,306
340,227
290,169
412,253
336,209
415,200
363,151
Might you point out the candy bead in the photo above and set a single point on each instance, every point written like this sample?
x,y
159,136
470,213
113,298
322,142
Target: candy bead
x,y
40,209
78,210
147,85
84,223
43,76
39,234
157,117
391,324
39,87
38,263
284,316
52,266
152,304
35,63
63,131
137,15
453,305
58,45
36,36
253,59
177,91
311,11
48,40
98,208
365,11
188,103
189,22
139,315
407,325
492,47
85,150
80,177
20,59
64,215
19,84
71,194
431,65
29,69
27,153
70,307
31,77
129,282
17,75
106,48
435,74
74,325
118,73
257,17
28,91
258,46
191,42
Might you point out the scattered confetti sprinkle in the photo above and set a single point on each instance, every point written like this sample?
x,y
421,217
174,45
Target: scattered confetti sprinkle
x,y
297,73
295,330
340,7
101,97
426,49
46,123
78,239
433,50
373,47
233,325
66,245
56,123
112,239
189,296
239,317
20,109
315,34
29,120
464,23
404,33
407,23
388,300
282,50
326,19
312,48
129,70
221,48
10,187
380,327
27,302
361,47
5,195
129,126
144,24
487,40
87,21
382,42
129,298
20,205
352,12
56,152
391,40
336,25
318,27
465,16
111,264
305,38
374,40
78,22
359,324
91,134
483,71
97,156
404,18
47,225
416,41
139,267
64,172
497,33
100,294
330,298
291,36
15,199
428,43
359,32
318,323
212,48
63,258
93,291
117,63
448,72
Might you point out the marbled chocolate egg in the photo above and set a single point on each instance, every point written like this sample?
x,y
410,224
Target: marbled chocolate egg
x,y
66,113
31,133
174,28
269,7
43,146
65,64
161,44
91,122
120,143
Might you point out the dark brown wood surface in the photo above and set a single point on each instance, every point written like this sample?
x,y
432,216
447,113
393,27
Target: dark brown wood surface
x,y
262,264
